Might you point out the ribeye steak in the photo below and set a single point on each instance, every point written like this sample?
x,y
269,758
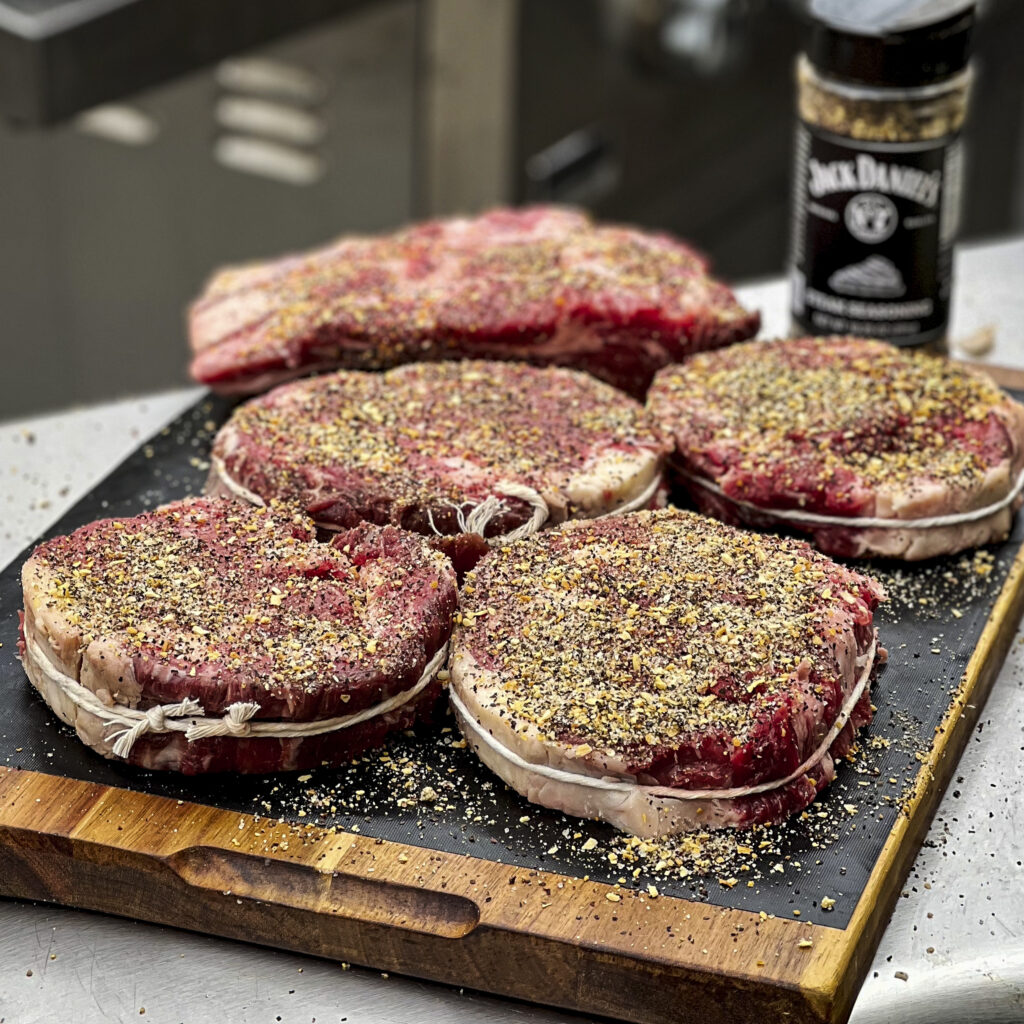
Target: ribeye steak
x,y
426,446
219,606
544,285
663,671
846,428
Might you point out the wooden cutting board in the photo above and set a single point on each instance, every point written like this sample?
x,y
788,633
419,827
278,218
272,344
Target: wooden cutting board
x,y
551,936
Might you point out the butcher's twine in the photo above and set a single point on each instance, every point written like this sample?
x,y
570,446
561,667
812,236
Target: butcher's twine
x,y
482,514
493,506
233,485
478,518
619,786
814,519
189,717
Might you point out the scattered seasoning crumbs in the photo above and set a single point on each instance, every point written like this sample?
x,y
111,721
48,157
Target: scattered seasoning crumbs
x,y
704,854
402,771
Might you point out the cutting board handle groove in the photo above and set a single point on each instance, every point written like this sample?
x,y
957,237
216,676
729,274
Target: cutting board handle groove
x,y
302,887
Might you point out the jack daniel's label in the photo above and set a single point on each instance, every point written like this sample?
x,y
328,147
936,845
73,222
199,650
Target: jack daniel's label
x,y
873,230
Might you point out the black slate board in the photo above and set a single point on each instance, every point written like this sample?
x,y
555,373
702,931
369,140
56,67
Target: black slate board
x,y
828,852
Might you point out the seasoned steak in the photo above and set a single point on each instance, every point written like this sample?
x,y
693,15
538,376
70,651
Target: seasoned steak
x,y
443,448
544,285
846,429
223,606
663,671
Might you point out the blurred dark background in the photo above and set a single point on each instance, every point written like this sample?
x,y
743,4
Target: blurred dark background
x,y
144,142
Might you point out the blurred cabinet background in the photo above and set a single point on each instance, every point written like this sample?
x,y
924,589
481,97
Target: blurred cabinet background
x,y
109,227
670,113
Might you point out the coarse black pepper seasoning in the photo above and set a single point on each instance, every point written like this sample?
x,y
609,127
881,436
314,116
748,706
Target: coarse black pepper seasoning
x,y
882,95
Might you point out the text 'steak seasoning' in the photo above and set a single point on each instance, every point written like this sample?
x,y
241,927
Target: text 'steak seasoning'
x,y
882,92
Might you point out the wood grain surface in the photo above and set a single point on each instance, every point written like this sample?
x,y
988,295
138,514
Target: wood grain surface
x,y
452,918
446,917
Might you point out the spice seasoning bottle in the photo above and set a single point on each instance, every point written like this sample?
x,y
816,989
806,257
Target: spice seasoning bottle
x,y
882,94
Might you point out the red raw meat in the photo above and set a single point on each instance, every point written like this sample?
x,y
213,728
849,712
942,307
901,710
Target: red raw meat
x,y
845,427
222,603
664,649
543,284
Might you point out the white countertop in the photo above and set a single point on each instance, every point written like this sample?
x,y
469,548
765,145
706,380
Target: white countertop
x,y
957,933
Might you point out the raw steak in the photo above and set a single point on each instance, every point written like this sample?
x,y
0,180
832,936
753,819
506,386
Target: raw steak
x,y
443,448
543,285
670,663
235,607
849,428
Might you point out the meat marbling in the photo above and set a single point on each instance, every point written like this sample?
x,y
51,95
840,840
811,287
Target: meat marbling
x,y
423,446
846,428
223,603
669,652
541,284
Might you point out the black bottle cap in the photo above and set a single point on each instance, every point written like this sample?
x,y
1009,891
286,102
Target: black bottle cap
x,y
890,42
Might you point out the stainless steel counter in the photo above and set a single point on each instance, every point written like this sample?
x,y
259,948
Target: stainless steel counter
x,y
953,951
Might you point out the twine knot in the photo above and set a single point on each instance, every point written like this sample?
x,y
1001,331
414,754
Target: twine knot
x,y
153,719
156,718
235,723
491,507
